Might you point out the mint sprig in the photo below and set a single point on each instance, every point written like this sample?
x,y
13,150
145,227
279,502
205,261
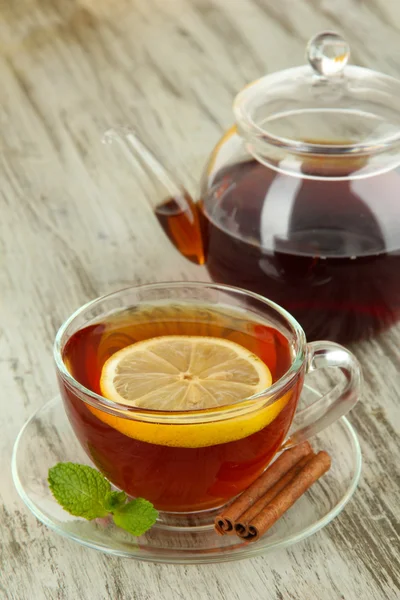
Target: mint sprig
x,y
84,492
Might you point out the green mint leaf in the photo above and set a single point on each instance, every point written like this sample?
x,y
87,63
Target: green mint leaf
x,y
84,492
81,490
114,500
136,516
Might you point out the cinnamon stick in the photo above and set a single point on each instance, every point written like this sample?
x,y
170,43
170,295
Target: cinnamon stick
x,y
225,522
309,474
243,522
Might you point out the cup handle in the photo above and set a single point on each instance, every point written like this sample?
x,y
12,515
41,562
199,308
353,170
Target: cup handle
x,y
335,403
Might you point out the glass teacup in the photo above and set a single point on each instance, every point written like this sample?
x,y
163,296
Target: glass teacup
x,y
186,461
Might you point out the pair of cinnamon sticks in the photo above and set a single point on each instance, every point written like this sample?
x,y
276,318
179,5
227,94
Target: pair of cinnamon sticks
x,y
273,493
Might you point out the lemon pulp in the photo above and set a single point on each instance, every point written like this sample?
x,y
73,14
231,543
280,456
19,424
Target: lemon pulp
x,y
185,373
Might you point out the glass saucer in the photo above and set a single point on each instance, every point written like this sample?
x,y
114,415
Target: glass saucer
x,y
47,438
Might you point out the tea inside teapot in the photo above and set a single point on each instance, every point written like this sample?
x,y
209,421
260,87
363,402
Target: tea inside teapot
x,y
326,250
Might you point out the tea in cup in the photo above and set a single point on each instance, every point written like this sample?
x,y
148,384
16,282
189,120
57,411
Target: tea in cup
x,y
182,393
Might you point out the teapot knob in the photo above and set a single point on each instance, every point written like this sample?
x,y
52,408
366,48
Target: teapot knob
x,y
328,53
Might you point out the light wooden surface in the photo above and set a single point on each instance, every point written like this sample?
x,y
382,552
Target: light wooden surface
x,y
73,227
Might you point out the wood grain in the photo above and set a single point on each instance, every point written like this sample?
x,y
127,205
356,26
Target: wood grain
x,y
73,227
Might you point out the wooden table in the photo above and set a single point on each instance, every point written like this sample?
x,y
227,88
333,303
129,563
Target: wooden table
x,y
72,230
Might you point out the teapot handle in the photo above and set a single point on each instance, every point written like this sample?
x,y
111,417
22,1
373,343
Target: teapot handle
x,y
171,203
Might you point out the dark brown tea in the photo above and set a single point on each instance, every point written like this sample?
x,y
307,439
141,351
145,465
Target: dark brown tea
x,y
178,470
182,227
326,250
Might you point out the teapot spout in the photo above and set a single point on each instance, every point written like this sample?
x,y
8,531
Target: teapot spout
x,y
173,206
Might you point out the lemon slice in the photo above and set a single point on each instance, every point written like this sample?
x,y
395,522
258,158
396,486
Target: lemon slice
x,y
181,373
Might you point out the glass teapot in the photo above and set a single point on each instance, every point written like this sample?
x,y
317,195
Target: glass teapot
x,y
300,200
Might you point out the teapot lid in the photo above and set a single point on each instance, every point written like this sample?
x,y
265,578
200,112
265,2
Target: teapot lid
x,y
326,107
